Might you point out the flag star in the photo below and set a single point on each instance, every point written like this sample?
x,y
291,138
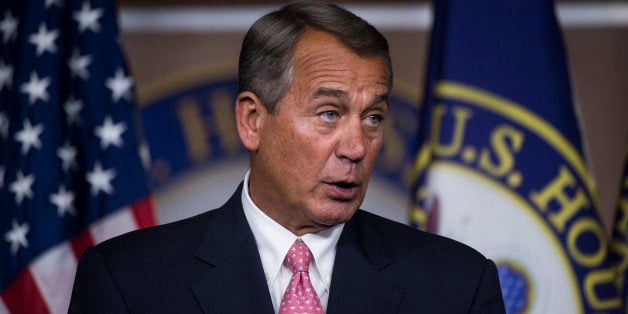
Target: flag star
x,y
29,136
110,133
36,88
21,187
17,236
100,179
72,108
6,75
44,40
4,125
67,153
88,18
120,85
78,64
63,200
8,26
58,3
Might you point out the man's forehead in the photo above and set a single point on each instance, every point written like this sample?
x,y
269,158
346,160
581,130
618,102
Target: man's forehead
x,y
315,44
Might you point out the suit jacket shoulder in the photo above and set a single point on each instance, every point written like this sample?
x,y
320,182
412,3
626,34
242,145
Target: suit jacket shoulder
x,y
190,266
415,245
412,270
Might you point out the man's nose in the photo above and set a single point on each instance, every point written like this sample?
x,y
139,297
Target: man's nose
x,y
352,142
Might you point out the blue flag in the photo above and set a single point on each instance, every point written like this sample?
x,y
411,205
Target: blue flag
x,y
70,172
500,164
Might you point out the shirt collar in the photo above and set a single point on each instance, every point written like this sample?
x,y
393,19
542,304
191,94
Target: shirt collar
x,y
274,241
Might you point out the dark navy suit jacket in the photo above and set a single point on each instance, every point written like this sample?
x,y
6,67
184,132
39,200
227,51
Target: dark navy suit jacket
x,y
210,263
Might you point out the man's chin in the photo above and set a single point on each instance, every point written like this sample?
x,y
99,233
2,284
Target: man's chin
x,y
334,215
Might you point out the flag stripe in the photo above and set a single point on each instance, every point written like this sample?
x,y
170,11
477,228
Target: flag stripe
x,y
48,275
143,213
80,243
114,224
51,272
3,307
22,296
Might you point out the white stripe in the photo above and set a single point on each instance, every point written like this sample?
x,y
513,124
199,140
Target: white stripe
x,y
117,223
53,272
384,17
593,14
191,19
3,308
395,16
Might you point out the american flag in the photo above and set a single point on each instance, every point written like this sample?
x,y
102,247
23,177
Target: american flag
x,y
70,168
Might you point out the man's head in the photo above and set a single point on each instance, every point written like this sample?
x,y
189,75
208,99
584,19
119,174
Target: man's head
x,y
266,55
313,148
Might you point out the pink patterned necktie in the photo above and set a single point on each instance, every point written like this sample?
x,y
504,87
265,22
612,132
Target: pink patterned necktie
x,y
300,296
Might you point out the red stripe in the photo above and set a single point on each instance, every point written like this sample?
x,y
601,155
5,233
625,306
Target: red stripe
x,y
143,212
22,296
81,242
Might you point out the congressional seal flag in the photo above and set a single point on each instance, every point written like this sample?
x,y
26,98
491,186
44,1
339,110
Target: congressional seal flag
x,y
500,162
70,172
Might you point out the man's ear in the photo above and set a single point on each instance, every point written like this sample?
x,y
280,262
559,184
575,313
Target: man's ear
x,y
250,115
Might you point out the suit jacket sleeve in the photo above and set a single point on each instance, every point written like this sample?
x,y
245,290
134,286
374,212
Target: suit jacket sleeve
x,y
95,290
488,297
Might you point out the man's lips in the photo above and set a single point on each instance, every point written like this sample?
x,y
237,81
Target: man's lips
x,y
343,190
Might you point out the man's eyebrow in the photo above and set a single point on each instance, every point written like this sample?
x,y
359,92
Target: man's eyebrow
x,y
329,92
340,94
379,99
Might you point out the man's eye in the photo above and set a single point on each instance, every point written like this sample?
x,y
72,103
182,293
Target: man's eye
x,y
329,115
374,119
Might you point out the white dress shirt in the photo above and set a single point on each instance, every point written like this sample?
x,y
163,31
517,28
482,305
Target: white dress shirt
x,y
274,241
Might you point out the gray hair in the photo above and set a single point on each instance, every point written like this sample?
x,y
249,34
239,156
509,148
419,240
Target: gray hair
x,y
265,66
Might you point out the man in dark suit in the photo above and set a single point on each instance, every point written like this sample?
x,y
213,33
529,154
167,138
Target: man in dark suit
x,y
314,86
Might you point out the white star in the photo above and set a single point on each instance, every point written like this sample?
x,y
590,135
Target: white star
x,y
63,200
4,125
8,26
78,65
17,236
88,18
58,3
100,179
29,136
72,108
21,187
110,134
67,153
36,88
44,40
120,85
6,75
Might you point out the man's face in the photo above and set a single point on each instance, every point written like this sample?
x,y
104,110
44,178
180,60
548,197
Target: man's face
x,y
316,153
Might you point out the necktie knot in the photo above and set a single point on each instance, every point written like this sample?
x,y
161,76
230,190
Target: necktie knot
x,y
298,257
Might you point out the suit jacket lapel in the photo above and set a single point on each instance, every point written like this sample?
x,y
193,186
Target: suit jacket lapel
x,y
358,283
234,281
